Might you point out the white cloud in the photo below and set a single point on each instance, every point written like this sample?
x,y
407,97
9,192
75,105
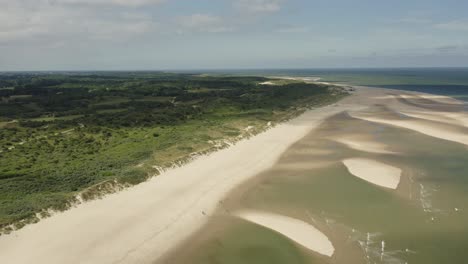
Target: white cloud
x,y
258,6
27,20
109,2
203,23
36,3
456,25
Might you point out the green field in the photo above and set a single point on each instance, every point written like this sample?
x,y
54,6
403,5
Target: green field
x,y
90,133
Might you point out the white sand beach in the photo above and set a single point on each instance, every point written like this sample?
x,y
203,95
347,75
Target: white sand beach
x,y
374,172
304,79
299,231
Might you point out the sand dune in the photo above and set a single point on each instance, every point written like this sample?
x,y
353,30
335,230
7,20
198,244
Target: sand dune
x,y
374,172
300,232
364,145
424,128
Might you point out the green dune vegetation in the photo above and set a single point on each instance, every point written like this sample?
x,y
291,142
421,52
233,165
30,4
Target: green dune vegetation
x,y
71,136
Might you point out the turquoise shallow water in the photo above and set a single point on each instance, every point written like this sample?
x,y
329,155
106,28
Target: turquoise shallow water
x,y
424,221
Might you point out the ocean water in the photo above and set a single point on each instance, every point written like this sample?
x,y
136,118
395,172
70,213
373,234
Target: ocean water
x,y
444,81
424,221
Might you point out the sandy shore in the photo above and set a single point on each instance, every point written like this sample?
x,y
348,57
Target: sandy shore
x,y
300,232
374,172
142,223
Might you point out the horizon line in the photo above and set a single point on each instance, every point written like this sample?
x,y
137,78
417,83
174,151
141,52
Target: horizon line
x,y
239,69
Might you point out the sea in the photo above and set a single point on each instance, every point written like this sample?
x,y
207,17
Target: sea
x,y
443,81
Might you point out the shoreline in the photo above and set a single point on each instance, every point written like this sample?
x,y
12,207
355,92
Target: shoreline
x,y
115,228
145,217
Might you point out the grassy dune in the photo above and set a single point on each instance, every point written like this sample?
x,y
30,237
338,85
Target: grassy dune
x,y
64,135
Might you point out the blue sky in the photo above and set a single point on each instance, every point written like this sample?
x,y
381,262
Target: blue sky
x,y
211,34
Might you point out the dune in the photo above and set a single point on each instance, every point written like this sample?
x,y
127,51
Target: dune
x,y
374,172
364,145
424,128
298,231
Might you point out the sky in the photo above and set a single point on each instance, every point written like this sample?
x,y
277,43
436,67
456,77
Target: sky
x,y
231,34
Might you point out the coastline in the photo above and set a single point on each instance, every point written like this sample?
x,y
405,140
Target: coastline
x,y
115,228
145,217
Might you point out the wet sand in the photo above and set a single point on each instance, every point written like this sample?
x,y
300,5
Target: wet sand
x,y
301,232
360,144
323,181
